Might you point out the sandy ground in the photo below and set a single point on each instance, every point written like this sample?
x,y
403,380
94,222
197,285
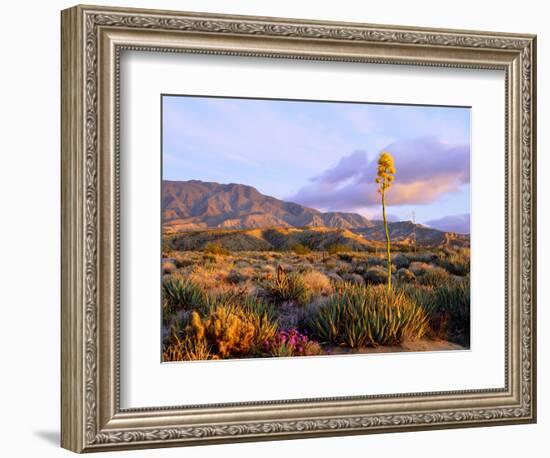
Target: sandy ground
x,y
417,345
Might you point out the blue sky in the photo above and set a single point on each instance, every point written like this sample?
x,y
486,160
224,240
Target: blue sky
x,y
322,154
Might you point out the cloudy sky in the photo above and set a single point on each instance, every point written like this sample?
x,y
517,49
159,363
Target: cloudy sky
x,y
323,154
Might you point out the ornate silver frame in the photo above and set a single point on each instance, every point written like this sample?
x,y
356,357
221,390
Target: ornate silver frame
x,y
92,39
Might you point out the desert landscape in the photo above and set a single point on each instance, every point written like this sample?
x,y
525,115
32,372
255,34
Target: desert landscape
x,y
245,275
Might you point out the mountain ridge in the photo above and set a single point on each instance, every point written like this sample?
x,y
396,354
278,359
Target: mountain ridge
x,y
230,210
194,204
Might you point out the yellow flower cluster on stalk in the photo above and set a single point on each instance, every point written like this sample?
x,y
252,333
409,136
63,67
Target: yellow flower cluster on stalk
x,y
384,178
385,172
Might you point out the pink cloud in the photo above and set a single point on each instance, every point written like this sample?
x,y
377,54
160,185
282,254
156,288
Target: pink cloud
x,y
426,169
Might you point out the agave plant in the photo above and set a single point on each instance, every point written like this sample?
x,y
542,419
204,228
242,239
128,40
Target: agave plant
x,y
452,300
448,307
181,293
368,316
288,288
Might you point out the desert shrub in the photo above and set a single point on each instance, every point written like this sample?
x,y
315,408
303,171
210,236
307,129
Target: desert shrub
x,y
347,257
292,343
262,314
304,267
376,275
334,277
404,275
368,316
360,268
209,258
231,331
241,262
354,278
337,248
289,316
287,267
224,329
288,287
419,268
180,260
263,256
209,279
186,349
342,268
301,249
276,238
400,261
425,257
317,282
168,266
375,261
175,325
235,276
182,293
250,272
433,276
215,248
267,272
450,311
456,263
184,262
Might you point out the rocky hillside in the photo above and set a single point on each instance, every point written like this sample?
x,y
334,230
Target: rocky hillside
x,y
314,238
317,239
406,232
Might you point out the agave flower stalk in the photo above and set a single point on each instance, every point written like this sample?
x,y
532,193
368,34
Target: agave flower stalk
x,y
384,179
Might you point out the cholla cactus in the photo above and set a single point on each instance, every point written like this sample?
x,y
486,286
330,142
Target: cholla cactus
x,y
230,331
384,178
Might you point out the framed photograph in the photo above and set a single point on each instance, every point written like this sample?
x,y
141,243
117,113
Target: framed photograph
x,y
278,228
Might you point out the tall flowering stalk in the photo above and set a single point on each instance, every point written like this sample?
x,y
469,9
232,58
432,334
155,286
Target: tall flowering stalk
x,y
384,179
